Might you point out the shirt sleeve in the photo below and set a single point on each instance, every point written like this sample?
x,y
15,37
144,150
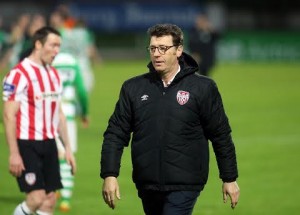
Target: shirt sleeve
x,y
14,86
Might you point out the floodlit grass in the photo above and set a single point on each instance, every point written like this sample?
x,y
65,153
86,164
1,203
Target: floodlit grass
x,y
262,102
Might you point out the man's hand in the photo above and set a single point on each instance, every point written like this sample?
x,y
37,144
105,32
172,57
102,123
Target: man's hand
x,y
233,191
16,165
110,190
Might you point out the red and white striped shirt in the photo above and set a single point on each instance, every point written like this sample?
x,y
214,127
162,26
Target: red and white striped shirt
x,y
38,89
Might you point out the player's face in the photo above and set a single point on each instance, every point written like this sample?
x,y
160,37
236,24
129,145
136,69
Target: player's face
x,y
50,48
163,54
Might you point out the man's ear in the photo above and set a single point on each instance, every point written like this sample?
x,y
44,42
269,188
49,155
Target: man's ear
x,y
38,45
179,50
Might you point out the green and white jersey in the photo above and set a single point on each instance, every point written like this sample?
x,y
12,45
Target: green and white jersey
x,y
74,91
77,41
3,40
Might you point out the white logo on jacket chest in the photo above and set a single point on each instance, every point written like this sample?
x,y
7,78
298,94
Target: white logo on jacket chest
x,y
144,98
183,97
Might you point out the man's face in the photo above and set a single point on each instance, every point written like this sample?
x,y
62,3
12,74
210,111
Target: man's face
x,y
164,59
50,49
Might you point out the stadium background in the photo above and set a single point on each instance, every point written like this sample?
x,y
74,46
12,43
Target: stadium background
x,y
258,76
251,30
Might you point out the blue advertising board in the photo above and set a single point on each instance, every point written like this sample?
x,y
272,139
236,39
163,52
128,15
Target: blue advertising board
x,y
135,16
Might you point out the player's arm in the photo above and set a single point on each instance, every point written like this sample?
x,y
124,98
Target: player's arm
x,y
82,96
63,133
93,53
10,110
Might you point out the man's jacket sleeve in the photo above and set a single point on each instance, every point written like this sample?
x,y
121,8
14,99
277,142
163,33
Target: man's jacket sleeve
x,y
218,131
116,136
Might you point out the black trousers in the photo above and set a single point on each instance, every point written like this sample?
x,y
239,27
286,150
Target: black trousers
x,y
168,203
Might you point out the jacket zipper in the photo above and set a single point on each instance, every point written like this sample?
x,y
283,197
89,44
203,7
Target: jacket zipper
x,y
162,144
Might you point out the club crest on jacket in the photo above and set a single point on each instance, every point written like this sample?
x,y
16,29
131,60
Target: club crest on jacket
x,y
182,97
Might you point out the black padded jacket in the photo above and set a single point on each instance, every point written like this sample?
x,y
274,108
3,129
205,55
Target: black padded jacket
x,y
170,129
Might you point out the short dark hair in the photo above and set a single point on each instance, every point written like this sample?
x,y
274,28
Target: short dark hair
x,y
160,30
42,34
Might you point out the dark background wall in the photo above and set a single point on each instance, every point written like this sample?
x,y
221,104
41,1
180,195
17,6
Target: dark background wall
x,y
254,14
256,29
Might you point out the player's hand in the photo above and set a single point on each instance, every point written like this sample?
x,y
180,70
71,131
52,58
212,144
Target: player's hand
x,y
71,160
16,165
233,191
85,121
110,190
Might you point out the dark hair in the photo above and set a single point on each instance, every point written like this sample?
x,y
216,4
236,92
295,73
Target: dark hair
x,y
160,30
42,34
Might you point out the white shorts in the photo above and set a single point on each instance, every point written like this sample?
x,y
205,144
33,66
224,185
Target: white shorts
x,y
72,132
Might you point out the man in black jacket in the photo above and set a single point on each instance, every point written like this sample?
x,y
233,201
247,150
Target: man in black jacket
x,y
171,113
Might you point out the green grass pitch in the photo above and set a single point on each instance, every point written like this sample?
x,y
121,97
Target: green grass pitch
x,y
262,101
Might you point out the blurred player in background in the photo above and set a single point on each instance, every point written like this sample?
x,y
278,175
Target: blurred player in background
x,y
202,43
36,22
10,55
74,94
4,40
78,41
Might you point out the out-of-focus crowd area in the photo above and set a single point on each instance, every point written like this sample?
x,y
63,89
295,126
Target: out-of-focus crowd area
x,y
15,38
252,30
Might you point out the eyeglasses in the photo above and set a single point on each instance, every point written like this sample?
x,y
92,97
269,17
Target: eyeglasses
x,y
161,49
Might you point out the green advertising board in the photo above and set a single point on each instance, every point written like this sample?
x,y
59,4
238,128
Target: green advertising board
x,y
259,46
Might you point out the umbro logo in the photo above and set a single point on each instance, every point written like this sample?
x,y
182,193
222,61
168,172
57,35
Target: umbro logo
x,y
144,98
